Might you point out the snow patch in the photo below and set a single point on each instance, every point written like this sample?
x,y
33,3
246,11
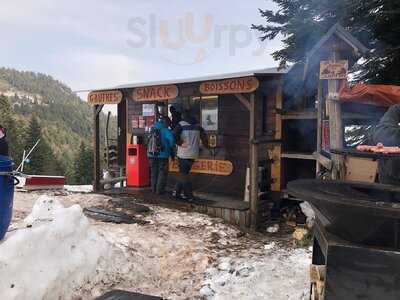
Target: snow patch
x,y
280,275
84,189
308,211
56,254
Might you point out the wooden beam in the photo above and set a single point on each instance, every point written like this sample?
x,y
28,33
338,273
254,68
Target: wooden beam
x,y
300,115
279,107
244,101
253,165
324,161
96,148
319,116
298,155
335,124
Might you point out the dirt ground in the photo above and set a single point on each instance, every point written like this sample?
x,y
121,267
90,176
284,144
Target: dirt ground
x,y
186,255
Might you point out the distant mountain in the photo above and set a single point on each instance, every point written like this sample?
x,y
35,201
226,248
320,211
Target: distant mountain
x,y
65,119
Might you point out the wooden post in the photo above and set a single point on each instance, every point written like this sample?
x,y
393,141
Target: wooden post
x,y
253,165
319,126
335,122
96,148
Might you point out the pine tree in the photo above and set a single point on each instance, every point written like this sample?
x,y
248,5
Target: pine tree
x,y
42,159
83,165
301,23
15,131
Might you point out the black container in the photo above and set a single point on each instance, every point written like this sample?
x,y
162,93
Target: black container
x,y
357,212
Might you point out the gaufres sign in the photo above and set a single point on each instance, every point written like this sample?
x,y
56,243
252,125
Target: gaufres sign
x,y
155,93
207,166
105,97
230,86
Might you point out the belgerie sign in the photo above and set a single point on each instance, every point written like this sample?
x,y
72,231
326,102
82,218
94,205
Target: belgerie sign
x,y
155,93
206,166
105,97
230,86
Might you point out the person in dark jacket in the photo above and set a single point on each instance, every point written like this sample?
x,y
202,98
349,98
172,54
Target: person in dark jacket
x,y
387,132
188,134
159,163
175,116
3,142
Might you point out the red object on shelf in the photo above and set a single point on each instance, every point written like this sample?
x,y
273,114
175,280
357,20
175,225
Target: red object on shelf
x,y
36,182
137,166
326,143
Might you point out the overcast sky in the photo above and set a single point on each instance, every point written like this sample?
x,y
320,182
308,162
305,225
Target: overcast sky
x,y
99,43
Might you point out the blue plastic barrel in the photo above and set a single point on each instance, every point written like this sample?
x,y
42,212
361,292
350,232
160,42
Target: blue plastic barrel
x,y
6,195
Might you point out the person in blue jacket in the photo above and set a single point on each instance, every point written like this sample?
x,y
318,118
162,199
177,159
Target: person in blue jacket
x,y
159,160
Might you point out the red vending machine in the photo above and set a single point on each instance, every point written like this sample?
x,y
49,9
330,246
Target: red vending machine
x,y
137,166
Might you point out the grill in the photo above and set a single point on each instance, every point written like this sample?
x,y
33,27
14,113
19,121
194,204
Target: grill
x,y
363,154
356,237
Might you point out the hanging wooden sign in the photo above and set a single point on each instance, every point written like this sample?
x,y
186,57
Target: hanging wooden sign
x,y
207,166
230,86
333,70
105,97
155,93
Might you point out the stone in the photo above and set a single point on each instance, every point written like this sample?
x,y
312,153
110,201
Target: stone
x,y
224,266
300,234
244,271
207,292
273,229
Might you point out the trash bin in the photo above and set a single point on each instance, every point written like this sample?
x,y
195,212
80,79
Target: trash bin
x,y
6,195
137,166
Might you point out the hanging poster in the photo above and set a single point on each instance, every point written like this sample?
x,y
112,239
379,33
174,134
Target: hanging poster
x,y
135,122
209,119
149,110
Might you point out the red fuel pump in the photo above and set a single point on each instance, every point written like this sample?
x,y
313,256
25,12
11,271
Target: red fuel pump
x,y
137,166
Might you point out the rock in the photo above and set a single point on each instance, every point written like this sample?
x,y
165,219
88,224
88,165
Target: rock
x,y
223,279
302,236
270,246
224,266
207,292
244,271
300,233
273,229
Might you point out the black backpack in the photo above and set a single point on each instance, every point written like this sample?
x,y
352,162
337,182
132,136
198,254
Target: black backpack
x,y
154,142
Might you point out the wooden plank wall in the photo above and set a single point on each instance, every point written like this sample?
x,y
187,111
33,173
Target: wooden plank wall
x,y
273,94
234,125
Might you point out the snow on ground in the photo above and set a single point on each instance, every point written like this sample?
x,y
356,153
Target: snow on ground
x,y
79,188
277,275
177,255
53,253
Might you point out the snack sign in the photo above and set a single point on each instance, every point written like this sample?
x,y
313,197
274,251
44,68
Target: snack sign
x,y
332,70
207,166
155,93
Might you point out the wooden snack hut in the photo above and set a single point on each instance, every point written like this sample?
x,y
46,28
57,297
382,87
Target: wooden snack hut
x,y
239,112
